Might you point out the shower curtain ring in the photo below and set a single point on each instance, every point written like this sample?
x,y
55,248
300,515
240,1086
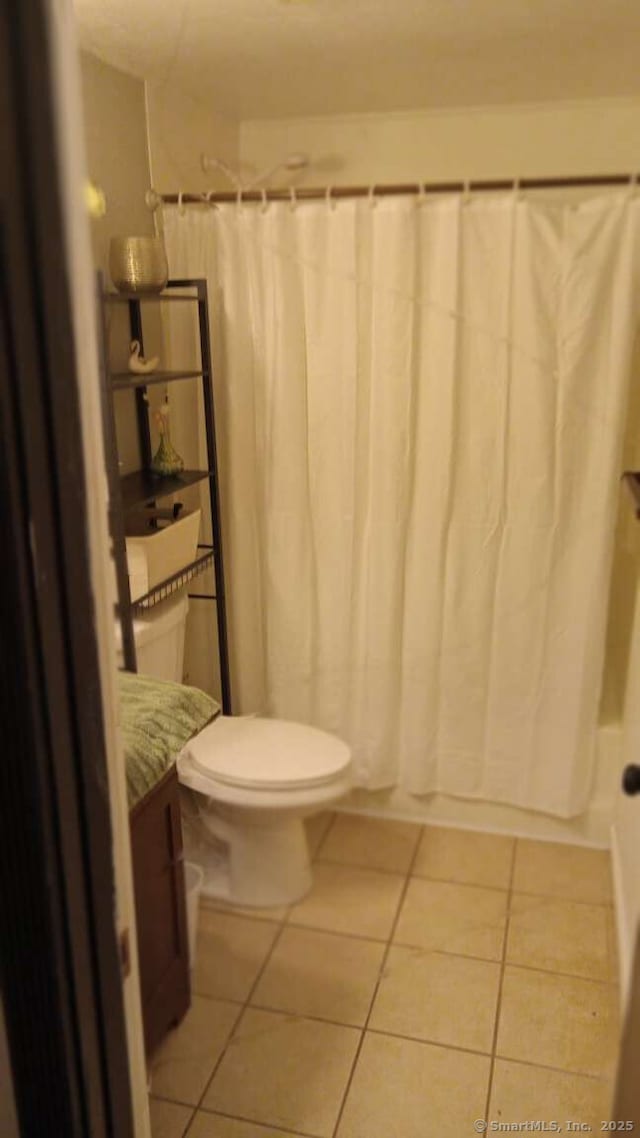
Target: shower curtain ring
x,y
372,196
422,194
293,202
239,197
466,191
182,209
329,199
265,203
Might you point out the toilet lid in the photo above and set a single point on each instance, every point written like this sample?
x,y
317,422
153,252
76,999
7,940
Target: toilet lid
x,y
267,753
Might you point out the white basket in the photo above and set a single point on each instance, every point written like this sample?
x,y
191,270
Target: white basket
x,y
166,551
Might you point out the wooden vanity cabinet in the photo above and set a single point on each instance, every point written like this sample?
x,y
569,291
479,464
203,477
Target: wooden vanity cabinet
x,y
161,919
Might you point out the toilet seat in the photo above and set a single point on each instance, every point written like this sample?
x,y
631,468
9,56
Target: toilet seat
x,y
266,754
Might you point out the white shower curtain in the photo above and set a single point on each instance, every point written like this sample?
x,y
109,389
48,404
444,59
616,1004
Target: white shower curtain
x,y
420,417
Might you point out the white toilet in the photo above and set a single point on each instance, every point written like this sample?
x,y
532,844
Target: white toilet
x,y
253,782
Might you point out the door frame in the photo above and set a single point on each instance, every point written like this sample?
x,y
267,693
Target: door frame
x,y
61,972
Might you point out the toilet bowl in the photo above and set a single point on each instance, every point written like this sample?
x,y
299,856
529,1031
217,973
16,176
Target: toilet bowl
x,y
255,781
248,784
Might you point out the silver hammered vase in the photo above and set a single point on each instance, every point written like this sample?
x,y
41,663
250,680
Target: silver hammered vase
x,y
138,264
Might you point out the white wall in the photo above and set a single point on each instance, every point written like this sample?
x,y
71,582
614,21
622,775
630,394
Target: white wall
x,y
73,166
180,130
526,141
115,130
116,144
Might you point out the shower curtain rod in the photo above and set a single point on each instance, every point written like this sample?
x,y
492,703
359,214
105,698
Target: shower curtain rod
x,y
315,193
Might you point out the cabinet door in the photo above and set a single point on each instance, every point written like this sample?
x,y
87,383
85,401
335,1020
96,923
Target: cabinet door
x,y
158,874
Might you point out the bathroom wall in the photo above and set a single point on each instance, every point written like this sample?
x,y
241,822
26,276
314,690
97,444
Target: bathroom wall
x,y
478,142
116,142
117,156
124,126
99,120
180,131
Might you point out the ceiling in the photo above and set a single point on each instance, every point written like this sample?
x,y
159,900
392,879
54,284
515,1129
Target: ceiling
x,y
257,59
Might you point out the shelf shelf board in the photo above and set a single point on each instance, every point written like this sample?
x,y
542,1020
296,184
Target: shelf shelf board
x,y
124,380
166,588
143,486
144,297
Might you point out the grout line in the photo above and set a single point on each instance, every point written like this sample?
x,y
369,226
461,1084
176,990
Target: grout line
x,y
245,1004
221,1056
243,916
503,964
324,860
561,899
383,963
604,1078
264,964
318,849
241,1005
176,1102
242,1009
428,1042
309,1016
185,1132
558,972
285,922
548,971
250,1002
263,1125
336,932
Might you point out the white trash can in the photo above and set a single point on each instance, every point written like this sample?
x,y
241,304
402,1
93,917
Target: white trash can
x,y
193,878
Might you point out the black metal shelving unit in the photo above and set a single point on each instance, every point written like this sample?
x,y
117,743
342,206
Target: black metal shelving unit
x,y
143,487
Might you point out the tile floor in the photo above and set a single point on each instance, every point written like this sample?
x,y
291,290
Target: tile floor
x,y
432,977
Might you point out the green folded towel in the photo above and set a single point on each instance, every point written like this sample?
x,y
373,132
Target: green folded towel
x,y
157,718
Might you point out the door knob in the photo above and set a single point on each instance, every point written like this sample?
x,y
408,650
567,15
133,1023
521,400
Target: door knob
x,y
631,779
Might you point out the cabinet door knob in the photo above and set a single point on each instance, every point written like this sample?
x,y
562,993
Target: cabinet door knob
x,y
631,779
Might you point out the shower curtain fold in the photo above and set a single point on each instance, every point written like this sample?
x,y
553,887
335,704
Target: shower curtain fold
x,y
420,415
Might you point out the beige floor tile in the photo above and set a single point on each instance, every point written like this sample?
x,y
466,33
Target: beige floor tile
x,y
405,1089
183,1064
207,1125
316,828
230,953
321,974
285,1071
378,843
438,998
559,936
556,870
465,857
347,899
558,1021
523,1093
168,1119
444,917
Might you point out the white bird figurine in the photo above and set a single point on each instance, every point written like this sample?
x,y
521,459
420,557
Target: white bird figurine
x,y
137,363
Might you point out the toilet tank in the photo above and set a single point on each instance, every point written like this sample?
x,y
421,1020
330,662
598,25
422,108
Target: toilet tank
x,y
159,638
